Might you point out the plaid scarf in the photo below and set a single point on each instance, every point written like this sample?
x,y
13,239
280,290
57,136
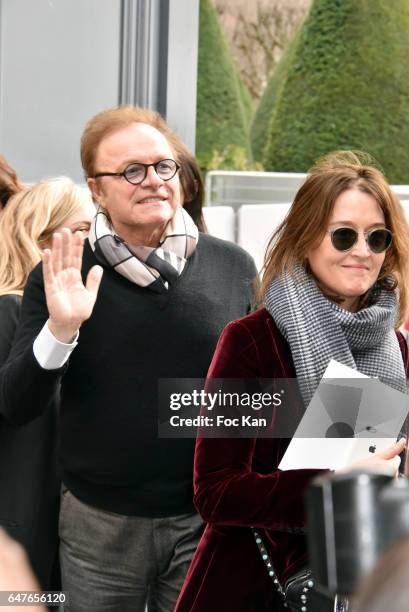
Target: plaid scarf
x,y
318,330
157,268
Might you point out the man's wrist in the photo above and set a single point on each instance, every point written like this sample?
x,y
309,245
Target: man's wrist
x,y
63,333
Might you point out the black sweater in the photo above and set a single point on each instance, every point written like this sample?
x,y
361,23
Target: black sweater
x,y
9,314
110,452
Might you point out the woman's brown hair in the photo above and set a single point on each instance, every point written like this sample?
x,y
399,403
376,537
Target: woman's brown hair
x,y
307,220
191,181
9,183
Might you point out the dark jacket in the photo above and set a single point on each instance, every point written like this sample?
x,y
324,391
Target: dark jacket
x,y
237,485
29,479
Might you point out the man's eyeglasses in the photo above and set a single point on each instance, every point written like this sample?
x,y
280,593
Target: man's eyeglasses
x,y
135,173
344,238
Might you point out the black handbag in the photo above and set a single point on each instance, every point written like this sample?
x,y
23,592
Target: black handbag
x,y
297,590
294,592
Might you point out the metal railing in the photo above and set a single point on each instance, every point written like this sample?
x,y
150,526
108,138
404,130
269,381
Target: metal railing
x,y
230,188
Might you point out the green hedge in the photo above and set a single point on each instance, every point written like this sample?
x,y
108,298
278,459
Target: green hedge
x,y
246,101
223,105
347,87
262,117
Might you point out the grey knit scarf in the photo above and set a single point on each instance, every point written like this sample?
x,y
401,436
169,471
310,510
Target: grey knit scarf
x,y
318,330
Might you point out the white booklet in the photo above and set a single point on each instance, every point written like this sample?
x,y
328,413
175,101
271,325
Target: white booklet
x,y
349,417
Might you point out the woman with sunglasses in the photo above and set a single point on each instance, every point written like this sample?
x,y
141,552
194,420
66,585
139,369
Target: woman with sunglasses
x,y
334,287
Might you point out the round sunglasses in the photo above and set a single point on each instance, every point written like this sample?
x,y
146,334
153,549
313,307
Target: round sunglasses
x,y
344,238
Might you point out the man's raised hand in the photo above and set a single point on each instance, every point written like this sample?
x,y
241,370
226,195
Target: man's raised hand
x,y
69,302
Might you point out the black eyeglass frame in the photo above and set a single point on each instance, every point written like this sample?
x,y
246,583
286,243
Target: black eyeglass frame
x,y
367,236
146,166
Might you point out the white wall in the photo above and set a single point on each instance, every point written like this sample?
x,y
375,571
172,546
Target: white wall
x,y
62,61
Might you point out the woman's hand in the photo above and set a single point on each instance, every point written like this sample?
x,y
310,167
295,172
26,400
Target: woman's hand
x,y
387,461
69,302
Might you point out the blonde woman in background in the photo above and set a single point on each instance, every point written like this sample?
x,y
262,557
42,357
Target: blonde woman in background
x,y
29,481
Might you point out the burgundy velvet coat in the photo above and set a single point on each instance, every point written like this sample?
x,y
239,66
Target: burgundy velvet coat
x,y
237,485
